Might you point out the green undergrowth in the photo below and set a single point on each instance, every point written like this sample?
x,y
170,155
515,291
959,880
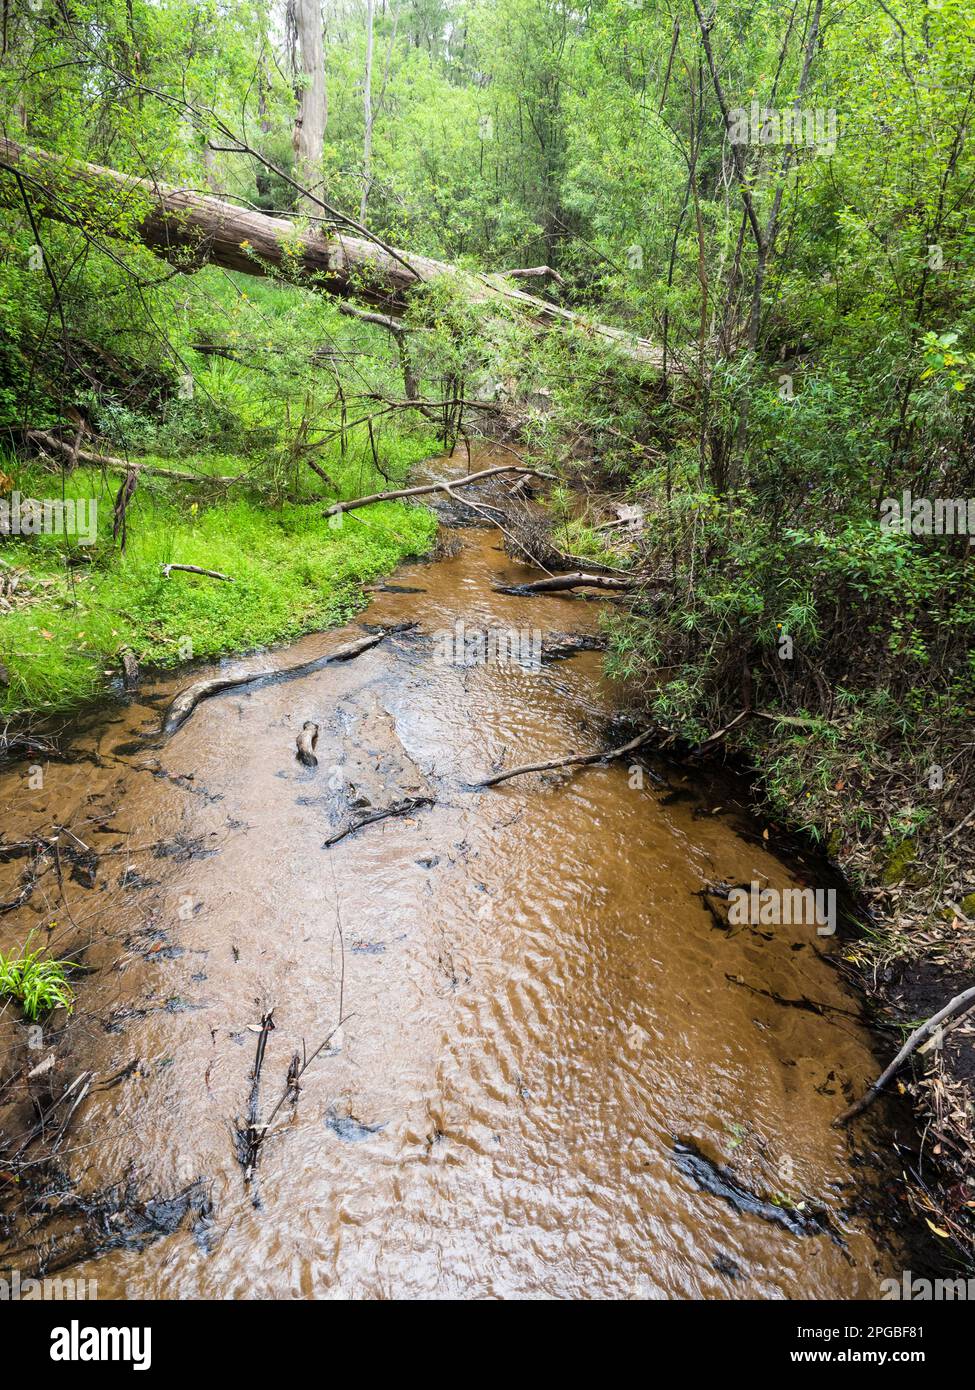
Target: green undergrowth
x,y
77,606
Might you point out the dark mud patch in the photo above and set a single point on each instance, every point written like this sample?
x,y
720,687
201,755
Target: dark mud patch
x,y
349,1128
115,1218
131,880
184,848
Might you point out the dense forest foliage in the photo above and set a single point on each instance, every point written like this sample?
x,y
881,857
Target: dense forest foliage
x,y
777,193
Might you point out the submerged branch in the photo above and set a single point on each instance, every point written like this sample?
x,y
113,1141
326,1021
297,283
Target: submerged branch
x,y
571,760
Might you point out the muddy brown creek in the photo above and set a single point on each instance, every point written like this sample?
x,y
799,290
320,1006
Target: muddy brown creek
x,y
557,1075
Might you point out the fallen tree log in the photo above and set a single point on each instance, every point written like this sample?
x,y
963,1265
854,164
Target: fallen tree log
x,y
187,700
560,582
535,272
114,465
571,760
191,229
966,997
449,486
306,741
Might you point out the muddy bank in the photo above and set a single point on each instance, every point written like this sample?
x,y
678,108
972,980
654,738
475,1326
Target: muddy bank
x,y
557,1075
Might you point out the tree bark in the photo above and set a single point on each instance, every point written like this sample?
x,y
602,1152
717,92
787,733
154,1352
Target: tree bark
x,y
367,113
306,39
557,583
193,229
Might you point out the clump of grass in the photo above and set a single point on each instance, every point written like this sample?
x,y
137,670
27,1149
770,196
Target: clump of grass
x,y
38,983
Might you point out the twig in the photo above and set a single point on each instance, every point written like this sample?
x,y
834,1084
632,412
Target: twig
x,y
399,808
916,1037
195,569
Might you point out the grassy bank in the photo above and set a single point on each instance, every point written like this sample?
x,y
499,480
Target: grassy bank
x,y
76,607
214,376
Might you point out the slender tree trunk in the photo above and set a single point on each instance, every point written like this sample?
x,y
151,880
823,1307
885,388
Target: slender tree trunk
x,y
367,108
262,179
306,41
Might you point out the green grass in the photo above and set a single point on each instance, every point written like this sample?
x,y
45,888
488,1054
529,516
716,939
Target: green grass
x,y
37,984
293,572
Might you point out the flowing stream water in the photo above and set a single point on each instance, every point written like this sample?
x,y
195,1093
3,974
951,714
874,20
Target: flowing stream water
x,y
557,1076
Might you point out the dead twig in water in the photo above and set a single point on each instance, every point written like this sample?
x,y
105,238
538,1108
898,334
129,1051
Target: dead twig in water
x,y
398,808
249,1138
919,1034
572,760
78,1089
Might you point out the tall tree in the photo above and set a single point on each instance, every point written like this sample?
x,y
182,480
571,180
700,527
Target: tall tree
x,y
306,34
367,110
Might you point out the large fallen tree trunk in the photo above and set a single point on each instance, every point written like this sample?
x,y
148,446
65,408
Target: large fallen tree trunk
x,y
192,229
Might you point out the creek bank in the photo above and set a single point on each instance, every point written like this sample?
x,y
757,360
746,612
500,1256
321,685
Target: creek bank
x,y
76,625
913,874
910,946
